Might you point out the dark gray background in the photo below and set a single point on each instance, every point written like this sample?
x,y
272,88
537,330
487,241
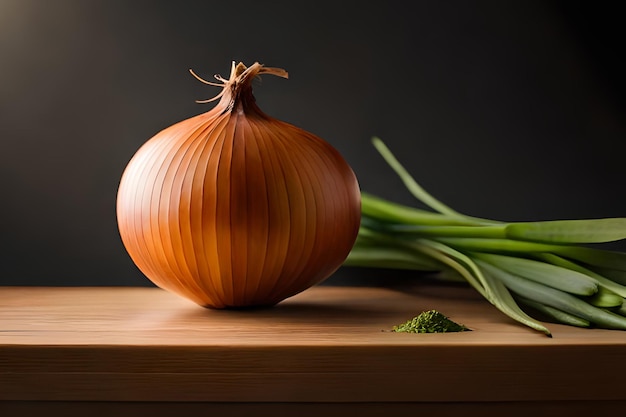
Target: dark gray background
x,y
512,110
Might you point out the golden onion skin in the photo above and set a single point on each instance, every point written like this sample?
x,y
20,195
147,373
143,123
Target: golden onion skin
x,y
233,208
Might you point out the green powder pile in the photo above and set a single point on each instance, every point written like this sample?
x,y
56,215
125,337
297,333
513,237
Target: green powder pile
x,y
430,322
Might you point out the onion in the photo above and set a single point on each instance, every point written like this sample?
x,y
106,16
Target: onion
x,y
233,208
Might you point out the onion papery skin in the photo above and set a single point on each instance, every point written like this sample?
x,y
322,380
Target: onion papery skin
x,y
233,208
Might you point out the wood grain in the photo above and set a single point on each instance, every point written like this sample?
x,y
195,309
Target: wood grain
x,y
326,345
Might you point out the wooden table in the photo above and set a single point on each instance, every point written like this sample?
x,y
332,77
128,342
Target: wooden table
x,y
327,351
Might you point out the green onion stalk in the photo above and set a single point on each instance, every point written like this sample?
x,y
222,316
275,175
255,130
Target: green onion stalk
x,y
547,269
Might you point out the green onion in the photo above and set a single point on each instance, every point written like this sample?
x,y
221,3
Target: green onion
x,y
527,270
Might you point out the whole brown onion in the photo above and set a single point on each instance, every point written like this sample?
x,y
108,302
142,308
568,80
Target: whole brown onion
x,y
233,208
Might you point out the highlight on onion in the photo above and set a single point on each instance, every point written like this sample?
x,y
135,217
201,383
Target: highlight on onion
x,y
233,208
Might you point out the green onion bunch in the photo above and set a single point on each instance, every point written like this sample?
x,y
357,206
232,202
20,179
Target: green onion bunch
x,y
551,269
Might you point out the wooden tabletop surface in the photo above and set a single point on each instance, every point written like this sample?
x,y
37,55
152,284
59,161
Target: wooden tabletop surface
x,y
325,344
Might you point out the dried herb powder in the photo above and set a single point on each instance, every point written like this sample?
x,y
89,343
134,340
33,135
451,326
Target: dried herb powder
x,y
430,321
